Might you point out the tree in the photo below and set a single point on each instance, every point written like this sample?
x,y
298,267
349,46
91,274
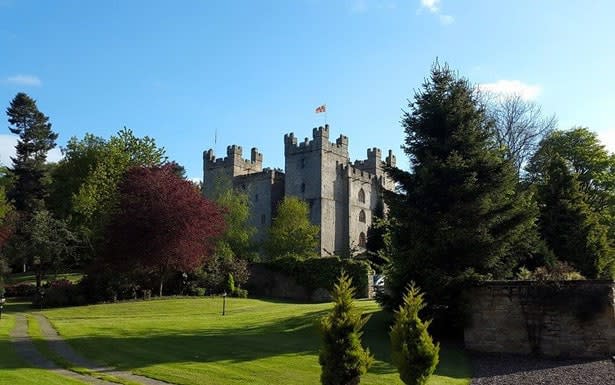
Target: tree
x,y
291,233
342,358
458,215
412,349
45,243
568,225
35,139
237,239
85,182
162,224
588,159
519,126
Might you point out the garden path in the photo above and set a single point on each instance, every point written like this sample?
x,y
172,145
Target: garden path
x,y
63,349
25,348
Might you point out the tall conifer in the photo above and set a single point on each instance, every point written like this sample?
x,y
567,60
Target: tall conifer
x,y
457,215
35,140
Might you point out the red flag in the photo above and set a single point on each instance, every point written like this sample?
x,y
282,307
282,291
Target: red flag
x,y
320,109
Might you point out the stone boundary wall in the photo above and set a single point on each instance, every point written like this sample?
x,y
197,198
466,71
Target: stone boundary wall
x,y
561,319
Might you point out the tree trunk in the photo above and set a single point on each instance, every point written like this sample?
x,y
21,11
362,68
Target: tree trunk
x,y
161,283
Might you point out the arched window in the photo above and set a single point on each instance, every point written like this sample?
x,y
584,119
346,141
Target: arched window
x,y
362,240
362,216
361,196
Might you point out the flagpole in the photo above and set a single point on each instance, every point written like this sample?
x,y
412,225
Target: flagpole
x,y
325,113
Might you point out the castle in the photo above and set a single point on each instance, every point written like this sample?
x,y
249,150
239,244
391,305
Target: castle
x,y
342,196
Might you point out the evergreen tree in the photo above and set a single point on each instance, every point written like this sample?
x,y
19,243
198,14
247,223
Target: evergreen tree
x,y
342,357
568,225
412,349
35,139
458,215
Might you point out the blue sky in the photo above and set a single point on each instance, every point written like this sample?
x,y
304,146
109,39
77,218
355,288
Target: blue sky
x,y
254,70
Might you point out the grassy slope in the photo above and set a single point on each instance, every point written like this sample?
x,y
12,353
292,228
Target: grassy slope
x,y
187,341
14,371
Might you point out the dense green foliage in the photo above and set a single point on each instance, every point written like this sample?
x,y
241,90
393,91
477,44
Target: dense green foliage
x,y
342,357
569,227
579,154
315,273
458,215
237,239
291,233
412,349
44,243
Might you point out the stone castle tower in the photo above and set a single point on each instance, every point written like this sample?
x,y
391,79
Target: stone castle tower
x,y
341,195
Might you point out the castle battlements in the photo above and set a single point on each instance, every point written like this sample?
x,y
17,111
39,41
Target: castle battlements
x,y
320,141
234,160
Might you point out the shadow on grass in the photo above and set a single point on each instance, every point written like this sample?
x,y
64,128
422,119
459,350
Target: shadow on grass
x,y
290,336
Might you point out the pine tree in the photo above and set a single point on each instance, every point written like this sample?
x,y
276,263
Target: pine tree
x,y
412,349
458,215
569,226
35,140
342,357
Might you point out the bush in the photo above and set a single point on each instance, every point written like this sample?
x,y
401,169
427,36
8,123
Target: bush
x,y
240,293
60,293
20,290
214,275
342,357
412,349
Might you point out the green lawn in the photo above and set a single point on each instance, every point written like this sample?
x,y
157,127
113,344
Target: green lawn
x,y
15,371
28,277
187,341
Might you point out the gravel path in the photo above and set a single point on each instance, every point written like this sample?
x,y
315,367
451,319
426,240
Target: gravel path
x,y
63,349
524,370
25,348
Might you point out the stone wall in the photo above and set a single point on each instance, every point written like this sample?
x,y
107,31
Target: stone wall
x,y
567,318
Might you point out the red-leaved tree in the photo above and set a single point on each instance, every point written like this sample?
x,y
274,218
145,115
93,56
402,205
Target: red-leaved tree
x,y
163,224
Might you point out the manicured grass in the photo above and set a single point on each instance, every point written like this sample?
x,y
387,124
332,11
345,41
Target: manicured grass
x,y
187,341
14,371
28,277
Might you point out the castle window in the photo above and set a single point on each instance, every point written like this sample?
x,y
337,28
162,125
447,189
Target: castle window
x,y
362,216
362,240
361,196
302,187
255,197
302,162
263,219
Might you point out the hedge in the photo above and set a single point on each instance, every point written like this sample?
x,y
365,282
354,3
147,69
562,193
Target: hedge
x,y
315,273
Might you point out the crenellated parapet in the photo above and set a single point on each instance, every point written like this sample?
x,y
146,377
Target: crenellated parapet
x,y
234,161
320,142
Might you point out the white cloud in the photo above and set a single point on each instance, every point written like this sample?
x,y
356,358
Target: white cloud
x,y
512,87
431,5
446,19
607,137
24,80
7,150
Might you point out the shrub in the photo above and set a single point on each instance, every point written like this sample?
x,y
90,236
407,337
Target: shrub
x,y
20,290
60,293
412,349
342,357
215,274
230,283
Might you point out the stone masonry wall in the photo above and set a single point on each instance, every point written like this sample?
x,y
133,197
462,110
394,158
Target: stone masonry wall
x,y
568,318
